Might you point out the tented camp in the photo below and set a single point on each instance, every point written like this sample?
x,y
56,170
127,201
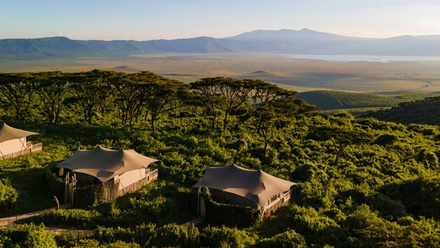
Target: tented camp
x,y
13,142
239,186
105,173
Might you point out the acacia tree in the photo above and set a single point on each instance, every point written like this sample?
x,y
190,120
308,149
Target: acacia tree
x,y
262,92
276,112
18,91
162,97
207,94
51,87
341,137
145,92
128,95
225,94
91,90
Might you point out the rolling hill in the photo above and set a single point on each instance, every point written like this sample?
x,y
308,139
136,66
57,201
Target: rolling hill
x,y
333,100
302,41
421,111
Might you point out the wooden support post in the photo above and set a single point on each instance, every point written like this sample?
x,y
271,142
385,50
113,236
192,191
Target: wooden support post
x,y
66,186
73,188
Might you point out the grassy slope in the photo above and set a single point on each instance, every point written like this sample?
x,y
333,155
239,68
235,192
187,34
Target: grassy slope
x,y
358,102
423,112
341,100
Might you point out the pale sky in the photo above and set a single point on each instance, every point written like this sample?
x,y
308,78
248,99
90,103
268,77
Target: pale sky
x,y
171,19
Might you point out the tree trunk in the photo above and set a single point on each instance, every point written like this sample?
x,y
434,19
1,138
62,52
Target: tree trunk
x,y
265,144
225,120
153,127
340,152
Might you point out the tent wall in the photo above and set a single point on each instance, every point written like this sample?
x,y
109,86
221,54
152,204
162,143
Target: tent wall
x,y
87,194
12,146
130,177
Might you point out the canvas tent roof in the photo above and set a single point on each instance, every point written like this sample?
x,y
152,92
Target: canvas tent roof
x,y
255,185
104,163
9,133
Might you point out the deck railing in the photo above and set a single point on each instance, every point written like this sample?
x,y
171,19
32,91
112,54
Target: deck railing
x,y
29,149
88,194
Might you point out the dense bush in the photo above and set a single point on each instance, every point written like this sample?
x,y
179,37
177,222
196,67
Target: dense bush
x,y
172,235
285,240
8,195
27,236
69,217
225,237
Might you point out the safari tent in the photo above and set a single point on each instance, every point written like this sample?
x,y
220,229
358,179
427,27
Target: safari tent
x,y
111,172
239,186
13,142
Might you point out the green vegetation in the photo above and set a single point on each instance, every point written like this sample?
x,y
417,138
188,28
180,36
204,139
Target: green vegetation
x,y
421,111
26,236
8,195
361,182
328,99
359,103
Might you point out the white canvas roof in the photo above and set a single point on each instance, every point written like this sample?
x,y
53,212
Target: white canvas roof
x,y
9,133
105,164
255,185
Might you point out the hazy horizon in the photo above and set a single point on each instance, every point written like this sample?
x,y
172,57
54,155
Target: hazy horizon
x,y
172,19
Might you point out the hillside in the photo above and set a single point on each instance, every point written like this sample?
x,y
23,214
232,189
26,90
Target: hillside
x,y
361,182
331,100
327,99
302,41
421,111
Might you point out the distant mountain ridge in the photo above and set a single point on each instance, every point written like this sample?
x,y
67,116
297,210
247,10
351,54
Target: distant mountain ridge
x,y
304,41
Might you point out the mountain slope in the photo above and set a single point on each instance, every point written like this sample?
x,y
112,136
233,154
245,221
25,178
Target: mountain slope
x,y
42,48
303,41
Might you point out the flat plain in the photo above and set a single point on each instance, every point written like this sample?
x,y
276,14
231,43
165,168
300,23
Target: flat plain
x,y
293,73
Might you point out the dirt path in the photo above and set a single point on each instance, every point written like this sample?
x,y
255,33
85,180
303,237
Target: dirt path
x,y
195,222
10,221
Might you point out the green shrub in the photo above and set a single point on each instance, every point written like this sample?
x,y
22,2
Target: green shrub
x,y
286,239
225,237
8,195
385,139
69,217
316,228
85,243
388,207
110,234
27,236
361,218
122,244
175,236
144,233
